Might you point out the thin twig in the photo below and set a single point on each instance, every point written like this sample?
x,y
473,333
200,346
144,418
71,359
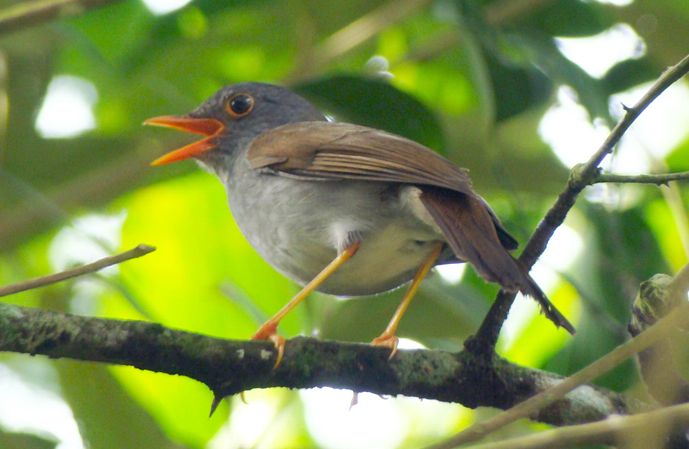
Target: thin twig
x,y
138,251
654,425
580,177
661,179
26,14
679,316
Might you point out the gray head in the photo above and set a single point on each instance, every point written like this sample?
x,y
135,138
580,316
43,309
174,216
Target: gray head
x,y
232,118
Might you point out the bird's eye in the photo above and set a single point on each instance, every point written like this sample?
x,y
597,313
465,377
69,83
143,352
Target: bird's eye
x,y
239,105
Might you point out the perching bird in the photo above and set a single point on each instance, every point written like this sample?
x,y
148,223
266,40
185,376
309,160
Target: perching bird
x,y
342,208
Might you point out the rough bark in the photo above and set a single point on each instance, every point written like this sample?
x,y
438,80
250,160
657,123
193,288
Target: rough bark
x,y
228,367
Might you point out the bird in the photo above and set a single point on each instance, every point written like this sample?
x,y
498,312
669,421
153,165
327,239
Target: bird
x,y
342,208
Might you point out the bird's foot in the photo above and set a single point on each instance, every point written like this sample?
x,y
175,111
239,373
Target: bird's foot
x,y
387,340
268,331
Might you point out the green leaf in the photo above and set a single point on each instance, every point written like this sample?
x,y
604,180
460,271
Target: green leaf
x,y
567,18
516,88
627,74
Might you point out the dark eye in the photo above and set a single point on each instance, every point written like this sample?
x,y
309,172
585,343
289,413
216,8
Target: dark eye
x,y
240,105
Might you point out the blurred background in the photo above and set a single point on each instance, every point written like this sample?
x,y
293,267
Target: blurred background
x,y
517,91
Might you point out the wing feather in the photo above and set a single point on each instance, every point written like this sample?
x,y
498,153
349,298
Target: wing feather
x,y
346,151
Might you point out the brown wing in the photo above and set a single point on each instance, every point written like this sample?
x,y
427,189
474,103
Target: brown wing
x,y
345,151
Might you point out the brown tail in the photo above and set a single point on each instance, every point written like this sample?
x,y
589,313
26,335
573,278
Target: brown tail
x,y
472,233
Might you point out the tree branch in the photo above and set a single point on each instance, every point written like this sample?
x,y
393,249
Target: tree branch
x,y
228,367
661,179
138,251
652,428
580,177
679,317
26,14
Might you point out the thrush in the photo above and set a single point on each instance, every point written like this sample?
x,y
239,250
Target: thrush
x,y
341,208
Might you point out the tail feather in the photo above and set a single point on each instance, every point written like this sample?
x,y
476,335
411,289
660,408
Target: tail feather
x,y
471,232
548,308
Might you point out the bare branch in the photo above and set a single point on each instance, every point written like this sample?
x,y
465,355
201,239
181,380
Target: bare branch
x,y
661,179
138,251
26,14
228,367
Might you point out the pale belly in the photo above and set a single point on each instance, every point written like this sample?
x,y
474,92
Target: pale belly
x,y
298,226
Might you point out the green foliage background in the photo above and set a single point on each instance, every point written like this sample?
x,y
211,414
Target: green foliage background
x,y
470,79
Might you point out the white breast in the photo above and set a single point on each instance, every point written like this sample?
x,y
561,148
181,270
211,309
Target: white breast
x,y
298,226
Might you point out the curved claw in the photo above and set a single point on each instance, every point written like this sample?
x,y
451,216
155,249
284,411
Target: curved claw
x,y
387,340
269,332
279,343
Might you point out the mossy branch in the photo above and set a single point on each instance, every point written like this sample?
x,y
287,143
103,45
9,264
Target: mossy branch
x,y
229,367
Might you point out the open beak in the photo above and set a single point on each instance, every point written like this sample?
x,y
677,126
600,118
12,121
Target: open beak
x,y
208,127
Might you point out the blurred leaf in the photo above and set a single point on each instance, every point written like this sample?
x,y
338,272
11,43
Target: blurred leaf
x,y
164,397
543,52
567,18
377,104
622,252
108,418
540,339
180,284
29,261
129,25
439,317
661,24
515,84
516,89
12,440
666,231
519,153
678,159
592,342
627,74
628,253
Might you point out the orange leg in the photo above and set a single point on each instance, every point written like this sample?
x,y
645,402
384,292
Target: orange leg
x,y
268,331
389,338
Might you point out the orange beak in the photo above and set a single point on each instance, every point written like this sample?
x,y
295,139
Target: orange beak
x,y
208,127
